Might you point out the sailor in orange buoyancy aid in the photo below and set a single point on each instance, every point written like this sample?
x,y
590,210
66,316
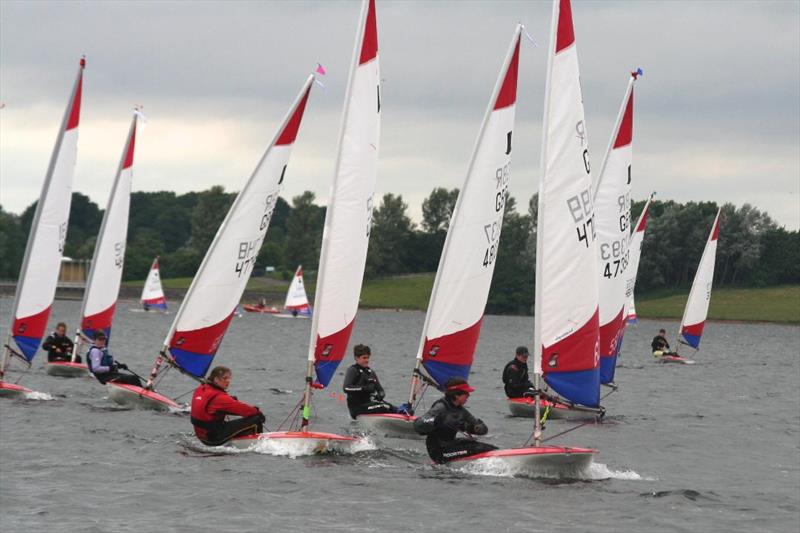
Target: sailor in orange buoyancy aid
x,y
211,404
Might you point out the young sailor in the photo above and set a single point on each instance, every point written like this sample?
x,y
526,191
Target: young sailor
x,y
211,403
59,346
515,375
102,364
660,345
445,419
364,392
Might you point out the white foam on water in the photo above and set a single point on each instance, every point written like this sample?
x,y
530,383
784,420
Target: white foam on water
x,y
36,395
294,448
599,471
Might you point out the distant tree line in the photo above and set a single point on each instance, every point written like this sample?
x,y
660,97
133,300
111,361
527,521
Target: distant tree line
x,y
752,249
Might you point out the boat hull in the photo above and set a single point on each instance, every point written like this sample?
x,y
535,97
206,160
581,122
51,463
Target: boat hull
x,y
10,390
388,425
675,359
296,442
523,407
548,461
262,310
66,369
140,398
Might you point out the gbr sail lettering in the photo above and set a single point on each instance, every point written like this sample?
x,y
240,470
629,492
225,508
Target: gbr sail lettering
x,y
581,206
616,254
492,229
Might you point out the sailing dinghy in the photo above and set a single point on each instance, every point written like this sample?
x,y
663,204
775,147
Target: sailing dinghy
x,y
38,277
105,275
635,247
153,298
696,311
566,324
345,240
461,287
211,301
296,305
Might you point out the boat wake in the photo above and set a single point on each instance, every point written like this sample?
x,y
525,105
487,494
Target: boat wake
x,y
497,467
599,472
35,395
294,448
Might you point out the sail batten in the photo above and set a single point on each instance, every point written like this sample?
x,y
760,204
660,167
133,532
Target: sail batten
x,y
43,253
210,303
696,311
566,330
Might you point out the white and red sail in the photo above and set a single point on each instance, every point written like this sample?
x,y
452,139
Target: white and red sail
x,y
296,298
461,288
210,303
105,276
612,203
566,347
635,248
696,312
348,219
38,278
152,292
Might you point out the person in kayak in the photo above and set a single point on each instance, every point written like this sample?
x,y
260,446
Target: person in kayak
x,y
515,375
211,404
364,392
660,345
104,367
446,417
59,346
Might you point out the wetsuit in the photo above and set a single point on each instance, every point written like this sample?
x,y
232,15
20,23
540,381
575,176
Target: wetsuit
x,y
660,344
210,406
364,392
442,423
516,380
105,369
56,342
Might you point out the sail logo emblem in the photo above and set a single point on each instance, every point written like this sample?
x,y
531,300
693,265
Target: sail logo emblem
x,y
434,351
326,351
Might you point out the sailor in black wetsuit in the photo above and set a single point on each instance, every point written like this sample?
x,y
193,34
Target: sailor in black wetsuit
x,y
58,346
515,375
445,419
364,391
102,364
660,345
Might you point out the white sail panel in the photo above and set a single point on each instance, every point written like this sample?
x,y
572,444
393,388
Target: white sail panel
x,y
461,288
102,287
296,298
348,219
39,274
566,348
152,292
696,312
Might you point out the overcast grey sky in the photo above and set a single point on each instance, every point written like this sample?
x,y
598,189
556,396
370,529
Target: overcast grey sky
x,y
717,112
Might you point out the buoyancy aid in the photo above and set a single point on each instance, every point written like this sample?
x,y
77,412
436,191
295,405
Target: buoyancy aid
x,y
200,416
105,360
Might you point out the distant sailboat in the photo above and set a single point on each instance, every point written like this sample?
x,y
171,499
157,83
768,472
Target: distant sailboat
x,y
635,248
345,238
296,304
105,275
461,288
153,298
211,301
696,311
38,277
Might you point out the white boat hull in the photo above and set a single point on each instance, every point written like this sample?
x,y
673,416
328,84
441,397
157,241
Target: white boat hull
x,y
295,443
523,407
544,461
66,369
675,360
12,390
140,398
388,425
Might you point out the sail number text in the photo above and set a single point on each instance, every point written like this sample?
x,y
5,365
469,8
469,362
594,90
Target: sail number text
x,y
492,230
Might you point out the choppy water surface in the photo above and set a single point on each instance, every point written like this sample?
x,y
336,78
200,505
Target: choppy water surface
x,y
709,447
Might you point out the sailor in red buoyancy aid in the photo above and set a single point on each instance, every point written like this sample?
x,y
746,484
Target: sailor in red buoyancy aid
x,y
211,404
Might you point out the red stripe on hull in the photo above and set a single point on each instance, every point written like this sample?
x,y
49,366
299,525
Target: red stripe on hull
x,y
333,347
289,133
578,351
625,134
508,91
101,320
31,326
203,340
369,46
566,33
456,348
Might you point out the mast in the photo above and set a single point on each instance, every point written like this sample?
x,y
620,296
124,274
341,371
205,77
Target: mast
x,y
38,279
105,272
454,316
348,218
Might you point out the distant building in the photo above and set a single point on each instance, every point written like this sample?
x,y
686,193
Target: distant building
x,y
73,271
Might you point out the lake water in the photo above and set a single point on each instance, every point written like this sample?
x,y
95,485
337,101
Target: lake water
x,y
709,447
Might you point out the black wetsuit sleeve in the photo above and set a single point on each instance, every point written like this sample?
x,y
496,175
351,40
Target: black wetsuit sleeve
x,y
352,382
474,425
427,423
49,344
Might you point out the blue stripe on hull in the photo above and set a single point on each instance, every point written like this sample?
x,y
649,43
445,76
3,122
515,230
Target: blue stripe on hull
x,y
441,372
28,345
607,367
582,386
195,364
691,340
